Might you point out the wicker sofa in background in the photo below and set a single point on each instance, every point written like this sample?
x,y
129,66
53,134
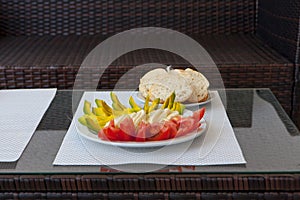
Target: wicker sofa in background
x,y
279,27
254,44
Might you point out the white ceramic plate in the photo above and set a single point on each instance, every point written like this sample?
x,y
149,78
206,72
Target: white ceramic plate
x,y
141,99
86,133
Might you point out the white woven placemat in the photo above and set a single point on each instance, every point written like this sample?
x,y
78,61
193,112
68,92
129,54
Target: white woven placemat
x,y
218,146
21,112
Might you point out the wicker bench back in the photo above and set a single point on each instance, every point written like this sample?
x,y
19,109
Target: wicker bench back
x,y
279,27
68,17
28,60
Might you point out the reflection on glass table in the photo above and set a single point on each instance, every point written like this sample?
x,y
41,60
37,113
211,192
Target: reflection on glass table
x,y
268,139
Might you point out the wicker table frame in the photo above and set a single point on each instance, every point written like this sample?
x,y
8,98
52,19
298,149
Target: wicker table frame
x,y
154,186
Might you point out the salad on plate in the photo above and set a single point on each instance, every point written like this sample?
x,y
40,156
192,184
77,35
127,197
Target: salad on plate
x,y
140,124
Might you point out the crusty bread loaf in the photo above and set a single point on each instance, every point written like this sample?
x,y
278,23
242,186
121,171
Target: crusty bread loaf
x,y
144,86
189,85
198,83
149,76
168,84
163,84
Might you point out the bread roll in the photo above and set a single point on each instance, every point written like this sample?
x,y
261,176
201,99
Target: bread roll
x,y
163,86
198,83
149,76
160,84
144,86
189,85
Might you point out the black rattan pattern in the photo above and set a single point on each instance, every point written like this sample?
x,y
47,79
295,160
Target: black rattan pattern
x,y
109,17
131,187
154,195
244,61
278,25
31,62
296,96
40,47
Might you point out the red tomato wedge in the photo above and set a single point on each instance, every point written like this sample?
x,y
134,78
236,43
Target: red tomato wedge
x,y
123,136
141,132
111,133
198,114
107,134
176,121
101,135
176,127
153,129
186,125
162,132
172,128
127,126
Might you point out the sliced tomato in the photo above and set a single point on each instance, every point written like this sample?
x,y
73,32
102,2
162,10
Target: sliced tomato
x,y
109,132
176,121
187,125
122,136
111,123
112,133
141,132
198,115
153,129
101,135
115,134
177,126
172,128
127,126
162,134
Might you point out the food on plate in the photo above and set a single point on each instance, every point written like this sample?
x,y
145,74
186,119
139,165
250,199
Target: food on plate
x,y
189,85
146,128
95,118
160,83
135,123
198,83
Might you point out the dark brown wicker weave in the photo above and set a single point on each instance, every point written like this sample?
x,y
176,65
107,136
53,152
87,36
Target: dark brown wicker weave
x,y
296,96
154,186
254,44
278,26
49,61
165,186
110,17
34,61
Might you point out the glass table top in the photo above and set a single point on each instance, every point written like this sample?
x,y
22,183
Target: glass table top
x,y
268,138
